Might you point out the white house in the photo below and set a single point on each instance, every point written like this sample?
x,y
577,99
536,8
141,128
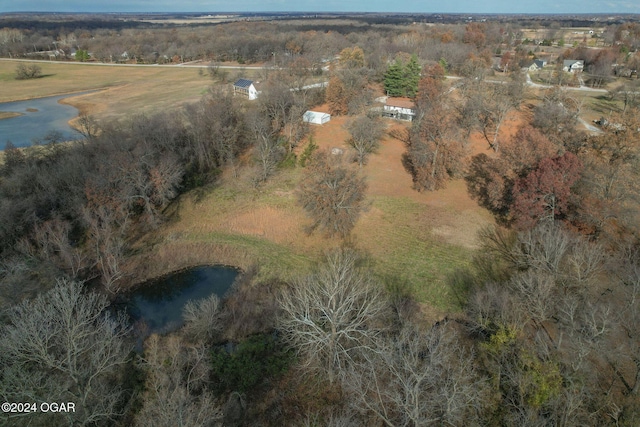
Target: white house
x,y
245,88
537,64
573,65
399,108
316,117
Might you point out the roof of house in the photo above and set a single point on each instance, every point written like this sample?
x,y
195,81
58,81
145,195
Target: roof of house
x,y
570,62
400,102
244,83
309,115
540,62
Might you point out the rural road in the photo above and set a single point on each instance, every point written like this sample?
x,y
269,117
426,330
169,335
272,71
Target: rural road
x,y
529,82
582,87
104,64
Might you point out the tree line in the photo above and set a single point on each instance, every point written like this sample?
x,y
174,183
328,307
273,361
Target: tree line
x,y
546,335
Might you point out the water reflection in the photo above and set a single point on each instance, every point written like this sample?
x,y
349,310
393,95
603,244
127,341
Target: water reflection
x,y
38,118
156,307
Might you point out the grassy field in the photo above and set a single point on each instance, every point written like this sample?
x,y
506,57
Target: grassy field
x,y
236,224
121,91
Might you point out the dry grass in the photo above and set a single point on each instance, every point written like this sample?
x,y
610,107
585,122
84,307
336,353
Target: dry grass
x,y
414,241
8,114
120,91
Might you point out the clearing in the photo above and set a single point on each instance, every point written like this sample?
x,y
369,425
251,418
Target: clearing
x,y
414,241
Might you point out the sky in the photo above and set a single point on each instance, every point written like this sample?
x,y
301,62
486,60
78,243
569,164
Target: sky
x,y
411,6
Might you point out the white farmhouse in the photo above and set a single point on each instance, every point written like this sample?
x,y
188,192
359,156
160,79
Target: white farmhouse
x,y
399,108
246,88
573,65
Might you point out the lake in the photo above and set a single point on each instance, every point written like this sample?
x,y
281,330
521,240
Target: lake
x,y
156,306
39,117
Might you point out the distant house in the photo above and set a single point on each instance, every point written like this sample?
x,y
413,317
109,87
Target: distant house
x,y
245,88
573,65
316,117
399,108
536,64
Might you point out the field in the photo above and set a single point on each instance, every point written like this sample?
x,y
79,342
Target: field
x,y
120,91
414,241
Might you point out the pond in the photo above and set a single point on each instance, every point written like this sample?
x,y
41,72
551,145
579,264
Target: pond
x,y
156,306
36,118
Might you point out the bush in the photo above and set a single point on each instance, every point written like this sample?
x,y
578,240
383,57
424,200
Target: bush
x,y
250,362
31,71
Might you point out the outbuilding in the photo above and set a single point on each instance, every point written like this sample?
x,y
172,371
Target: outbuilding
x,y
316,117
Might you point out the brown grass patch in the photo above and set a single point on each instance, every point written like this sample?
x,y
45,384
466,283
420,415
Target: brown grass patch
x,y
9,114
177,255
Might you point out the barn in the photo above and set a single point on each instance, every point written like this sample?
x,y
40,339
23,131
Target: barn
x,y
316,117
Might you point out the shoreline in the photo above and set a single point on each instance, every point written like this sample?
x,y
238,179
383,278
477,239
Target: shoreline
x,y
9,115
71,94
71,100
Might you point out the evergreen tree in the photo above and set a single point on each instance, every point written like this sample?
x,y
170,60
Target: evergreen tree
x,y
411,77
394,80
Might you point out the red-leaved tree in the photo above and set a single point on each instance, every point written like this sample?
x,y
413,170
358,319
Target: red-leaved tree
x,y
545,193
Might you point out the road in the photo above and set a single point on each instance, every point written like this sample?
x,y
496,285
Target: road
x,y
582,87
105,64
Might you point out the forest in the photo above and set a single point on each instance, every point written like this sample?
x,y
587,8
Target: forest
x,y
540,321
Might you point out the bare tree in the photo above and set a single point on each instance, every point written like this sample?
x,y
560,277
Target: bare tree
x,y
88,127
557,116
418,379
175,388
65,346
333,314
498,100
434,150
366,133
267,150
216,130
332,194
202,318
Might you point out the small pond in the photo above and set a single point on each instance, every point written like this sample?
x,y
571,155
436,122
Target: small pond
x,y
37,118
156,306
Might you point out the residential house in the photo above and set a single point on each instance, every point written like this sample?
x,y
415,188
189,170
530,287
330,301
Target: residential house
x,y
573,65
399,108
536,64
246,88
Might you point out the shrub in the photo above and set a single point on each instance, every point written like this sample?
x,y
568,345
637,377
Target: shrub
x,y
31,71
250,362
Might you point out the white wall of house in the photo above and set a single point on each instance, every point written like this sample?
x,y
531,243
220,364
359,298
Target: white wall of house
x,y
253,93
401,113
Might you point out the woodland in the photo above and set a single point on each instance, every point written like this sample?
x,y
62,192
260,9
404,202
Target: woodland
x,y
543,322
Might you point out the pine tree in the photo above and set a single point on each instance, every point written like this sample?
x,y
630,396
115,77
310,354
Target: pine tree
x,y
394,80
411,77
